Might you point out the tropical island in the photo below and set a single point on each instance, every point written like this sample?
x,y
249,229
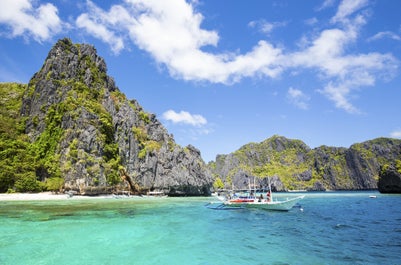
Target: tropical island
x,y
71,129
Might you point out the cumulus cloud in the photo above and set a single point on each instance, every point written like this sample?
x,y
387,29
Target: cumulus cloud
x,y
184,117
298,98
343,73
176,40
106,25
23,19
101,32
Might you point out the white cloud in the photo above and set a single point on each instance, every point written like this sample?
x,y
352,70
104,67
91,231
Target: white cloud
x,y
264,26
170,31
347,8
298,98
396,134
101,32
103,25
41,22
325,4
175,40
385,34
184,117
180,39
339,93
344,73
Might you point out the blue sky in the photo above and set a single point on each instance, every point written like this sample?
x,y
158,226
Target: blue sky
x,y
220,74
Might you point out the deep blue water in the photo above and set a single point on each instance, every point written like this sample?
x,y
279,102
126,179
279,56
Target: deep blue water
x,y
332,228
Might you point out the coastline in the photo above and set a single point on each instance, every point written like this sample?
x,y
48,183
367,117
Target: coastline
x,y
45,196
49,196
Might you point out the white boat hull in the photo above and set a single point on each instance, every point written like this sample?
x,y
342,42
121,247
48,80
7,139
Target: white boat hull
x,y
282,205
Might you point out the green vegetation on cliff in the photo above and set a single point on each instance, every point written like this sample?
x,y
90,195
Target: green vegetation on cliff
x,y
21,162
71,128
35,118
15,160
298,167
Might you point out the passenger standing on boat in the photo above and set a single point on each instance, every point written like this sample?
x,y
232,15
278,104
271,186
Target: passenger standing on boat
x,y
268,196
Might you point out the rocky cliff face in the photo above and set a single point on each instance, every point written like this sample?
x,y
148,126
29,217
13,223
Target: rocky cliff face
x,y
390,179
76,126
293,165
86,131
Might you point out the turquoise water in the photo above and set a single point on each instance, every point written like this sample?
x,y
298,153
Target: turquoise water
x,y
331,228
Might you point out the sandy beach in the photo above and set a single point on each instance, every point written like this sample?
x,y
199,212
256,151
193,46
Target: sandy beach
x,y
44,196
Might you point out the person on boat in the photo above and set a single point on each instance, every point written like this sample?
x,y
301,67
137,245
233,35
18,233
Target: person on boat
x,y
260,198
268,196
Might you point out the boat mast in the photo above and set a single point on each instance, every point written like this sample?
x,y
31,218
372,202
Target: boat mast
x,y
249,186
270,189
254,185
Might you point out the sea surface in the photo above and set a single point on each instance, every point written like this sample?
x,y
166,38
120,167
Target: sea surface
x,y
327,228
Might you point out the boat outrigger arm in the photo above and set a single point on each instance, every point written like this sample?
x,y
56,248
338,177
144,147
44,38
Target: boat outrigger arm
x,y
221,206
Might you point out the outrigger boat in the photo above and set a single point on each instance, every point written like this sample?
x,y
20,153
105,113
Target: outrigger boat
x,y
252,201
249,200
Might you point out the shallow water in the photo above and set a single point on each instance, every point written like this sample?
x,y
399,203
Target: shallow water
x,y
331,228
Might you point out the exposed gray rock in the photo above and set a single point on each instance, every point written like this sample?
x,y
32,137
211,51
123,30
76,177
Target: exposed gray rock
x,y
306,175
390,180
318,186
72,103
361,170
296,166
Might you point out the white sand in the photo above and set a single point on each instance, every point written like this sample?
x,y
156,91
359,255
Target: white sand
x,y
43,196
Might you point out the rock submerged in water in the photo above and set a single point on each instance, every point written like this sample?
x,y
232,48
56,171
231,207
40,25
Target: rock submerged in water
x,y
390,180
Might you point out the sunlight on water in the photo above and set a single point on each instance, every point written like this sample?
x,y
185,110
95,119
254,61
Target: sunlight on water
x,y
333,228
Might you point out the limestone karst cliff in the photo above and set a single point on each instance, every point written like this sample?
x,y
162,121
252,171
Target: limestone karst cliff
x,y
390,178
294,166
72,128
83,129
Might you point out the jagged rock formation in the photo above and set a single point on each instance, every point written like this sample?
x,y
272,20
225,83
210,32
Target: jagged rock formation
x,y
390,179
85,131
295,166
73,126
